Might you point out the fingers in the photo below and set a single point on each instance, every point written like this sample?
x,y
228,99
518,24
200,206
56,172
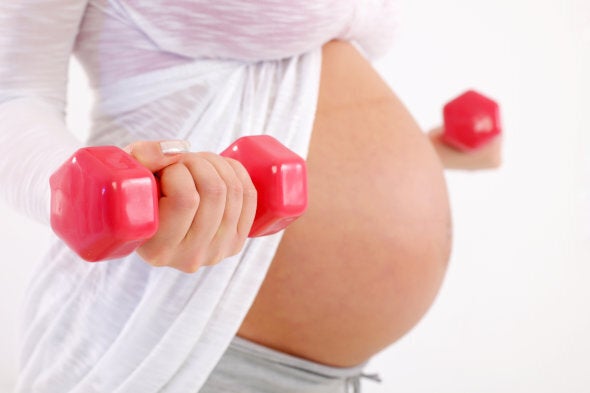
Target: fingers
x,y
207,208
156,155
177,206
212,185
249,202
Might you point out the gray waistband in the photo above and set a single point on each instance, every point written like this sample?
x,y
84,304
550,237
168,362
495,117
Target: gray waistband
x,y
262,352
247,367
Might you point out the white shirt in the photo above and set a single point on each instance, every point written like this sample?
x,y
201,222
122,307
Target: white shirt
x,y
205,71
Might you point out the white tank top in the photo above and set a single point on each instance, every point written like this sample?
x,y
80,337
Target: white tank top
x,y
206,71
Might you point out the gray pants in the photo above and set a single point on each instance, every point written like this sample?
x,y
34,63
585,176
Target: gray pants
x,y
247,367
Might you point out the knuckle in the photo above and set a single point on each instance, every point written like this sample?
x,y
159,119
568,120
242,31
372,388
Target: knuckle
x,y
235,190
190,268
157,263
238,168
236,165
190,263
238,246
235,242
155,259
215,188
185,200
250,192
207,155
215,258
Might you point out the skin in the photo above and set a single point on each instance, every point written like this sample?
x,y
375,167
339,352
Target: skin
x,y
486,157
365,262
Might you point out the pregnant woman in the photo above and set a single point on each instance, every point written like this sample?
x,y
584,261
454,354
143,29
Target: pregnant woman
x,y
199,308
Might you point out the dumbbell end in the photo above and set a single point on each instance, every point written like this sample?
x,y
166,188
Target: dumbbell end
x,y
106,251
470,121
276,218
280,178
103,203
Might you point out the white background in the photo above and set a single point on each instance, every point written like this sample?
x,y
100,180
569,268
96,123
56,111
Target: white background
x,y
514,312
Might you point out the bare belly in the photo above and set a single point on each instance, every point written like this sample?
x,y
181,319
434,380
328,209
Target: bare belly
x,y
367,259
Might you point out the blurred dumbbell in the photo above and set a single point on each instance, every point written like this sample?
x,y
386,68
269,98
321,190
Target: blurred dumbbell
x,y
104,204
470,121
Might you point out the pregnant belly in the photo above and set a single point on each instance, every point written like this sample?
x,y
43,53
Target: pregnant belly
x,y
362,266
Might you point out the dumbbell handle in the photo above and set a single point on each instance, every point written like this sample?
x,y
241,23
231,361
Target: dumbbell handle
x,y
104,203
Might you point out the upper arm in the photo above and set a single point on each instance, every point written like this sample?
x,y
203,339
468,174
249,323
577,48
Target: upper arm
x,y
36,40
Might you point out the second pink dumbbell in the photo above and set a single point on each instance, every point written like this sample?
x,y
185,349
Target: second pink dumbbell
x,y
470,121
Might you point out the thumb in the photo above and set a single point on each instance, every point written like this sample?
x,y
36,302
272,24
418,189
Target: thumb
x,y
156,155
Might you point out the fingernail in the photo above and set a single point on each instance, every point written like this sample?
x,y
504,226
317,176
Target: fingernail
x,y
175,147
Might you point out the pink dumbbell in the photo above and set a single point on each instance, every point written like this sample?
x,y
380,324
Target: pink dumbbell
x,y
104,204
470,121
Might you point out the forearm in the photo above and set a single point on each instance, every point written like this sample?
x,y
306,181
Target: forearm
x,y
34,141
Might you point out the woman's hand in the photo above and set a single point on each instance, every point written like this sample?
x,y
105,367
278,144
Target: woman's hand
x,y
488,156
206,208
